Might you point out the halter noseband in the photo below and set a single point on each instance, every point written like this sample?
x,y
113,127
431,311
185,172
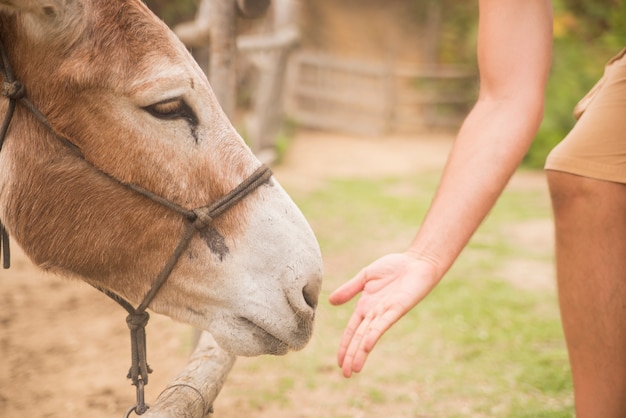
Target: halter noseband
x,y
197,220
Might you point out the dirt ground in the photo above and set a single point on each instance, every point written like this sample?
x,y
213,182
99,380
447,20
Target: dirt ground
x,y
64,348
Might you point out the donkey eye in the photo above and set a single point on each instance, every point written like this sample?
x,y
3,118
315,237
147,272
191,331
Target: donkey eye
x,y
167,109
172,109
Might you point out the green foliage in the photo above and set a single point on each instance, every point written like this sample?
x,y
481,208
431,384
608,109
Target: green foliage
x,y
573,73
587,33
598,17
173,12
457,20
284,137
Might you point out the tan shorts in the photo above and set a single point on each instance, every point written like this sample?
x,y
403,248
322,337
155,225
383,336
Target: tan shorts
x,y
596,146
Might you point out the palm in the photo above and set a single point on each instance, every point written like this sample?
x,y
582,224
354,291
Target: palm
x,y
389,287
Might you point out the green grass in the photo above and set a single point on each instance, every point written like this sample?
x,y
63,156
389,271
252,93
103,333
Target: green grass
x,y
478,346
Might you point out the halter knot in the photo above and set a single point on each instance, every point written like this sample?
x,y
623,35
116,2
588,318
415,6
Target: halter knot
x,y
13,90
203,219
137,320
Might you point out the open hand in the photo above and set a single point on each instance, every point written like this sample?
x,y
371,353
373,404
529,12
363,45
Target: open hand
x,y
390,286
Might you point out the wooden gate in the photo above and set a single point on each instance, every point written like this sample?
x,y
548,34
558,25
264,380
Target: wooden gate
x,y
376,98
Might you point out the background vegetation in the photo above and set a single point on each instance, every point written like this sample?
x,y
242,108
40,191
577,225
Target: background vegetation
x,y
483,344
173,12
480,345
587,33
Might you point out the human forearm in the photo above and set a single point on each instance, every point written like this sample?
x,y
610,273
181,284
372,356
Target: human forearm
x,y
488,149
514,58
514,52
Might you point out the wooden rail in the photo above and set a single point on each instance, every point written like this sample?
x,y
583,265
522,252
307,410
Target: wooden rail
x,y
362,97
192,393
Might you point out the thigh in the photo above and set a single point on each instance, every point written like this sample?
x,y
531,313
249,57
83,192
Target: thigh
x,y
590,215
590,221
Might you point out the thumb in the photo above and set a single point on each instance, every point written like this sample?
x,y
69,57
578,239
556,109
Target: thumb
x,y
348,290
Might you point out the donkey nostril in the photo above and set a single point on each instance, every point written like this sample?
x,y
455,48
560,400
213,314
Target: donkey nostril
x,y
311,295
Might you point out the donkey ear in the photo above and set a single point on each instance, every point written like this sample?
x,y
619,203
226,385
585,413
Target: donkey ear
x,y
44,16
44,8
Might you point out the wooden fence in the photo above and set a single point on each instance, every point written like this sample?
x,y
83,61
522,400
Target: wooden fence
x,y
361,97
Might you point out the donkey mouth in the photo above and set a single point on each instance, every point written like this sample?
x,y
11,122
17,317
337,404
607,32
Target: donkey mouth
x,y
273,343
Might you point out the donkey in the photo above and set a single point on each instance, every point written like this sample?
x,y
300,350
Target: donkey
x,y
126,105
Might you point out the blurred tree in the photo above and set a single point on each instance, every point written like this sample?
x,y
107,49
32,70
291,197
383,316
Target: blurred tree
x,y
587,33
596,16
449,30
173,12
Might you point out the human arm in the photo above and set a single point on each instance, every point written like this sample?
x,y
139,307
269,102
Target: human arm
x,y
514,50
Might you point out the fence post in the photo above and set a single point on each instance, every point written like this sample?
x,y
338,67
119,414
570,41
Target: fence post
x,y
252,8
223,34
269,53
192,393
223,63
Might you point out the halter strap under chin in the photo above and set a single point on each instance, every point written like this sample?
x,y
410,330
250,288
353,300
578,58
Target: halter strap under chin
x,y
196,220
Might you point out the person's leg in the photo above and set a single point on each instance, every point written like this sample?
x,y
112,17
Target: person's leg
x,y
590,223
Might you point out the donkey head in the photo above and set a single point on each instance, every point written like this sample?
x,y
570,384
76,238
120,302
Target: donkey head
x,y
114,81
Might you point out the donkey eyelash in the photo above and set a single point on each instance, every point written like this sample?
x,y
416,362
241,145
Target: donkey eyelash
x,y
172,109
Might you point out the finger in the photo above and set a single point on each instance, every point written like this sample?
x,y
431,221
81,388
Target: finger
x,y
354,359
348,290
378,327
360,344
367,336
369,332
348,335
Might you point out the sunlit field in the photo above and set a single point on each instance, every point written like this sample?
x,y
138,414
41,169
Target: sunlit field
x,y
486,343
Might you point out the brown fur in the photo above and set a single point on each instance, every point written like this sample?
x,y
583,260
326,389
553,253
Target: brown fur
x,y
69,217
